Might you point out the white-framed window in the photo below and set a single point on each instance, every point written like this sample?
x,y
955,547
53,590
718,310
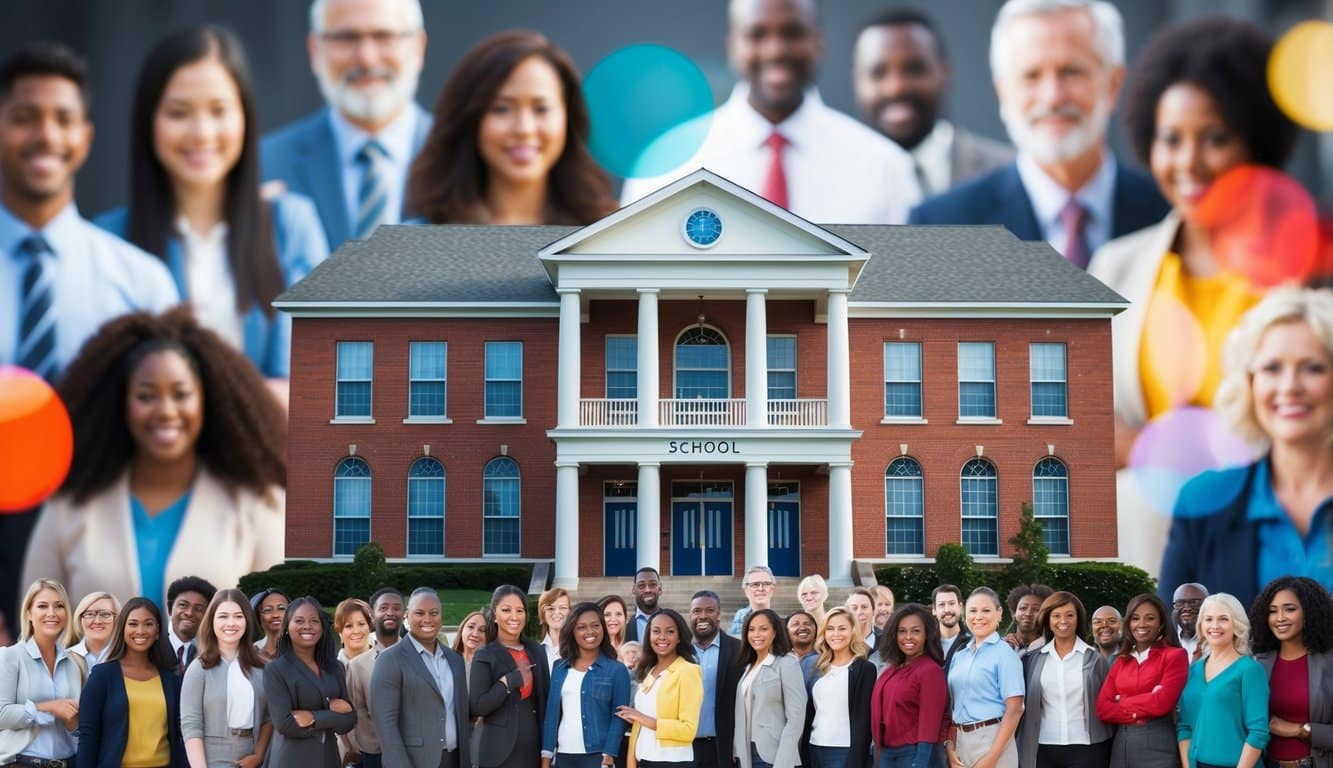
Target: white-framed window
x,y
427,387
703,364
1050,380
781,367
351,505
622,367
980,508
1050,503
902,380
504,379
501,489
355,377
904,507
976,380
425,507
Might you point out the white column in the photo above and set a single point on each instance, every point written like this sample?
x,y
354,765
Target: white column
x,y
567,387
756,359
840,525
650,516
756,515
566,525
647,379
839,369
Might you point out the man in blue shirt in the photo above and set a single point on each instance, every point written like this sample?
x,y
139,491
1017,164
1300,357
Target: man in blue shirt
x,y
717,653
61,277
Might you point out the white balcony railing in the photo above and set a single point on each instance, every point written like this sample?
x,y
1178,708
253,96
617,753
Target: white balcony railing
x,y
608,412
801,412
702,412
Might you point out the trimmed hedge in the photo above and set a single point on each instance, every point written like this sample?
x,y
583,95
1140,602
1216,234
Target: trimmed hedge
x,y
1096,584
331,582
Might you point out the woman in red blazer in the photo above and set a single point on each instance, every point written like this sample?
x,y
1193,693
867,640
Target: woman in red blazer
x,y
1142,688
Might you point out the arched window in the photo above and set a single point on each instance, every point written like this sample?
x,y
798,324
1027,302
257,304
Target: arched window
x,y
703,364
904,505
500,509
425,507
981,508
1050,503
351,505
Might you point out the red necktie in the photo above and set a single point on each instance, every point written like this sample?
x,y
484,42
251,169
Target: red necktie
x,y
1075,219
775,183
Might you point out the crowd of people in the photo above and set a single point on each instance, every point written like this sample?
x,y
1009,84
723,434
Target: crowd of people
x,y
223,679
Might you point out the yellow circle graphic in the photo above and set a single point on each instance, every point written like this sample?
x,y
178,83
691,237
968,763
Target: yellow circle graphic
x,y
1300,74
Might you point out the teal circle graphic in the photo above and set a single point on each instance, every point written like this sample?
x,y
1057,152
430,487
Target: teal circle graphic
x,y
650,108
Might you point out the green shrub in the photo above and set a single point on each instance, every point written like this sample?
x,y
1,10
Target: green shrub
x,y
329,582
369,570
1096,584
953,565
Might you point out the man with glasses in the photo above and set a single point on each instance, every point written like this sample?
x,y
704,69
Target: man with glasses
x,y
187,599
758,586
352,157
1185,603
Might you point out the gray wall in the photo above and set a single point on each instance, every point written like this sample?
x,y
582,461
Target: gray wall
x,y
114,35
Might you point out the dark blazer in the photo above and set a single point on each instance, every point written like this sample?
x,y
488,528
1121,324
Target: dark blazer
x,y
861,677
1095,668
999,198
499,707
973,155
409,709
724,698
1211,541
632,628
304,156
104,717
290,685
1321,704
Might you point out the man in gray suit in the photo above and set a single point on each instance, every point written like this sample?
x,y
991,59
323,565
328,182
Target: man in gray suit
x,y
418,694
900,71
352,158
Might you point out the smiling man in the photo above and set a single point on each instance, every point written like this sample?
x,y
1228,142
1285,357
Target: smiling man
x,y
1057,66
187,599
1106,624
775,136
352,158
716,653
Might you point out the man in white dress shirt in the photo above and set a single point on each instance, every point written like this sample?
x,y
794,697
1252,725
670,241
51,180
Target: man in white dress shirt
x,y
775,136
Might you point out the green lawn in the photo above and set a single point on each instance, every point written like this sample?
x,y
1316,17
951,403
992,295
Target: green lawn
x,y
457,603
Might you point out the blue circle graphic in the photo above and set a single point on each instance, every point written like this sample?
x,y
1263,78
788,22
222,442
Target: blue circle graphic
x,y
650,108
703,227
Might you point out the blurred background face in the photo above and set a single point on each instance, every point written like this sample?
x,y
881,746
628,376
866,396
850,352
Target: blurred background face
x,y
522,134
199,125
98,620
774,45
1055,93
473,632
812,599
165,414
899,79
366,58
1193,146
44,139
1026,612
355,632
555,614
883,610
863,610
1291,383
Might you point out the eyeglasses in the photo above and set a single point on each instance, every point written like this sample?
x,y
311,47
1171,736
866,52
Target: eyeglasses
x,y
760,585
1187,603
97,615
351,39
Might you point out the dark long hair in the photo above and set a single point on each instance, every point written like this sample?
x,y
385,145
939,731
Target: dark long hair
x,y
569,647
781,643
1059,600
160,654
1316,604
684,643
244,436
1168,633
889,651
209,653
449,180
251,254
501,592
326,650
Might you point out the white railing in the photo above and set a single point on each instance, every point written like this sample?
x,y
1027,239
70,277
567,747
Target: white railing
x,y
608,412
702,412
801,412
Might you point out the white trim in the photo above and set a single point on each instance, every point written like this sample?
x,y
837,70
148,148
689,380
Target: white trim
x,y
503,420
352,420
428,420
903,420
982,310
978,420
420,308
1050,421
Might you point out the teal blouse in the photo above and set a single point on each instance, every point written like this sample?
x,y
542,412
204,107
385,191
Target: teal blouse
x,y
1222,715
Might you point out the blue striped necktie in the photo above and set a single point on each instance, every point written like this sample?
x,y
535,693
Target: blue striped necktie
x,y
37,318
373,196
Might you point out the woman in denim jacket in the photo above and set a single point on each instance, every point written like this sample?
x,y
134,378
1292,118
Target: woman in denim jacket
x,y
587,686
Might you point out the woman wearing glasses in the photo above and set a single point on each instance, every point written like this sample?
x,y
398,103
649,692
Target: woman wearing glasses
x,y
96,619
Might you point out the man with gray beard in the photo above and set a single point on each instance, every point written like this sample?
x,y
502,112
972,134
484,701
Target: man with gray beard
x,y
352,158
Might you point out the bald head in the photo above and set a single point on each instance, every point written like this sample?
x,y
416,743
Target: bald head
x,y
1106,625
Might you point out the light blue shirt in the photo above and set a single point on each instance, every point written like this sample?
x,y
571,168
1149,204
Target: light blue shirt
x,y
96,277
707,658
53,740
1048,198
1282,549
738,620
396,139
982,677
641,625
438,666
154,538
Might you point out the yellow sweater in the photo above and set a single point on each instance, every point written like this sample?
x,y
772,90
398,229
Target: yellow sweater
x,y
680,696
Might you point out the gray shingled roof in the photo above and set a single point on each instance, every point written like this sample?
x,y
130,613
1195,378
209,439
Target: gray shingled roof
x,y
908,265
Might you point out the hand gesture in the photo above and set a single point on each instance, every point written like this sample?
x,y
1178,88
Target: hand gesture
x,y
340,706
526,674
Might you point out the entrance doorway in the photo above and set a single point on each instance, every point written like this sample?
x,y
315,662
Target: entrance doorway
x,y
701,514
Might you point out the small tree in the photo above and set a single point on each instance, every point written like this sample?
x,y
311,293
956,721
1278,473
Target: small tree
x,y
1029,565
369,571
954,565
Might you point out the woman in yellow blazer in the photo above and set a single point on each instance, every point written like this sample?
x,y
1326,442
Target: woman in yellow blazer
x,y
665,715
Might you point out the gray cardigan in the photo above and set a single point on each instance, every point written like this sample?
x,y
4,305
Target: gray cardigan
x,y
204,704
1095,667
1321,704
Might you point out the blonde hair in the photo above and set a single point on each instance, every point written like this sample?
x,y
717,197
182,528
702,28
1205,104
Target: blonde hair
x,y
76,619
858,647
1240,623
1234,399
30,597
343,614
548,599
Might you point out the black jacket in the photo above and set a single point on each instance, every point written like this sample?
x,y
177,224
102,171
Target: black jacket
x,y
496,737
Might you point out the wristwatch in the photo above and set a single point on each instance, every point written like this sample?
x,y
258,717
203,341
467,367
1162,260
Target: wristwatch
x,y
1306,731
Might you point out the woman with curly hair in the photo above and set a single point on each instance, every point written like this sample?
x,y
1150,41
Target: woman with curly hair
x,y
179,463
1292,634
509,142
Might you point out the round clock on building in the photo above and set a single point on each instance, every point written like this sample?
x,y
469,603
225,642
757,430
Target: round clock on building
x,y
703,228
